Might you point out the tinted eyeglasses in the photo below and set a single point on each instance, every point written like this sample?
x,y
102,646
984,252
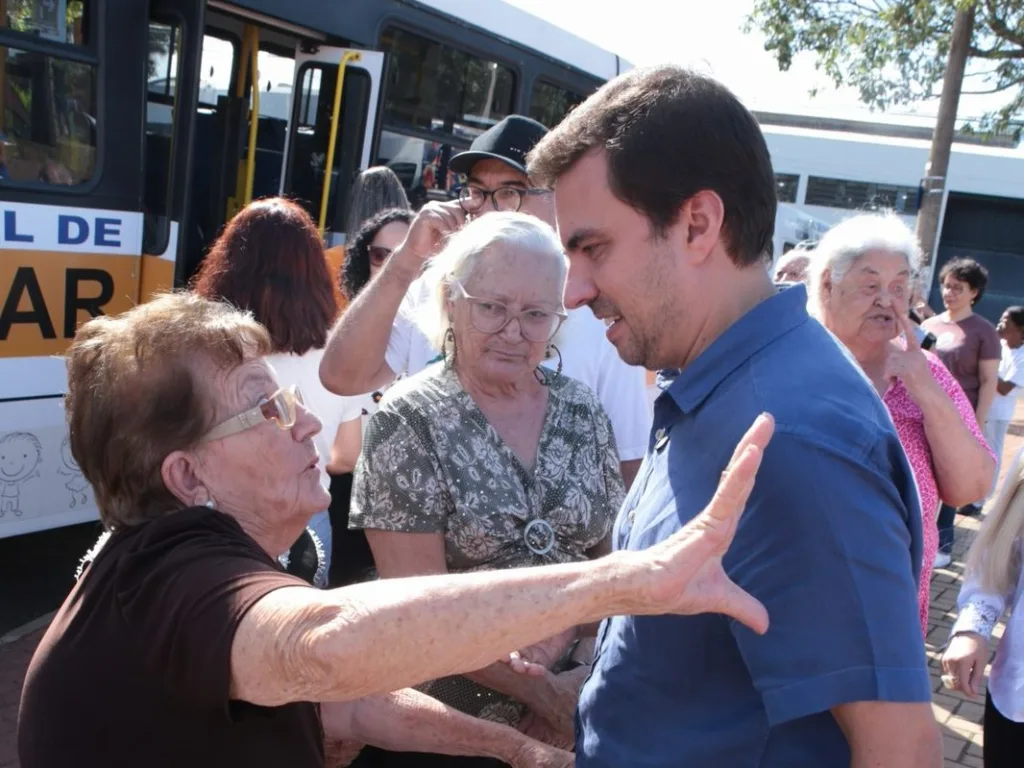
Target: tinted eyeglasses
x,y
473,198
490,316
281,408
378,255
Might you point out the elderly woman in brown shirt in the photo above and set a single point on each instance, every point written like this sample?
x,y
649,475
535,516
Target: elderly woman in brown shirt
x,y
487,460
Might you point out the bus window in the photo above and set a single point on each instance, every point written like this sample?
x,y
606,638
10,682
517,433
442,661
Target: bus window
x,y
216,69
48,121
275,83
550,103
163,73
45,19
421,166
311,135
437,88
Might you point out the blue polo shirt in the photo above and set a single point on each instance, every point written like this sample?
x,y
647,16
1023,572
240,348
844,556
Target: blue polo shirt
x,y
830,542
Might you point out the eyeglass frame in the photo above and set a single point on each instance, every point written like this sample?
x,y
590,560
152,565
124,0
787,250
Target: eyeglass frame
x,y
255,416
387,254
490,193
562,316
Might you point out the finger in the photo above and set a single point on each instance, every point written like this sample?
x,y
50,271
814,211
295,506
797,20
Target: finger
x,y
733,489
908,331
759,433
976,677
745,608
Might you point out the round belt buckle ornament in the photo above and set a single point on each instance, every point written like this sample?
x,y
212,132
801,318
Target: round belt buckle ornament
x,y
539,536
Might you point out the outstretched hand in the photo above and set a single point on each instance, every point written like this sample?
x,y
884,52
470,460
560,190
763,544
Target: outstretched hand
x,y
686,575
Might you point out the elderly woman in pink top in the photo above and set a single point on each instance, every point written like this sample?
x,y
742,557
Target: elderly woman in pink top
x,y
860,285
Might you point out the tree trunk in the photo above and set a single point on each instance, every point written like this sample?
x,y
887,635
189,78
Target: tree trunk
x,y
938,160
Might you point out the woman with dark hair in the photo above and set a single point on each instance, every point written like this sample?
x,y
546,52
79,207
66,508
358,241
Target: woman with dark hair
x,y
371,246
270,261
969,346
374,190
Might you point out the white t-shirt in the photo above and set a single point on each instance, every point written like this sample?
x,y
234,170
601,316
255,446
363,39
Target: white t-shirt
x,y
1011,368
303,371
587,356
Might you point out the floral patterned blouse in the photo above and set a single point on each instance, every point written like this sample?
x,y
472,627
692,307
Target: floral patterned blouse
x,y
909,422
431,463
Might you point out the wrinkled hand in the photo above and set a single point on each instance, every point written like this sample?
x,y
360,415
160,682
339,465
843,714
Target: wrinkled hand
x,y
684,573
538,658
432,225
908,365
964,663
536,727
534,754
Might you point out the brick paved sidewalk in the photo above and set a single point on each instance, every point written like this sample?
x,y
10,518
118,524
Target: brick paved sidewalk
x,y
959,717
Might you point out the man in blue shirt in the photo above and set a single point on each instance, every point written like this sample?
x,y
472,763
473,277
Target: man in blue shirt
x,y
665,200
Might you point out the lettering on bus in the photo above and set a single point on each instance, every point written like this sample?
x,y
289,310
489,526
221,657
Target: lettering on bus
x,y
84,289
100,232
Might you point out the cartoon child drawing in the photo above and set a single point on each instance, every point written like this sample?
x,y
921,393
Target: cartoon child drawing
x,y
20,456
78,485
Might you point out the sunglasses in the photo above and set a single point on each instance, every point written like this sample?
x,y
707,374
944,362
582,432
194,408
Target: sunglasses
x,y
379,254
281,408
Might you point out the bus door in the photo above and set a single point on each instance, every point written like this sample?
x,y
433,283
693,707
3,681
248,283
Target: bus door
x,y
335,106
175,43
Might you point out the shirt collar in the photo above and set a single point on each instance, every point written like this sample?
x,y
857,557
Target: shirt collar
x,y
769,320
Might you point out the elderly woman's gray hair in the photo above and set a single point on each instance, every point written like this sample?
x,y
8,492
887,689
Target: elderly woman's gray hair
x,y
844,244
462,254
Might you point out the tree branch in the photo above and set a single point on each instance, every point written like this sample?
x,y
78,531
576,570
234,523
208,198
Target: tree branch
x,y
999,27
994,53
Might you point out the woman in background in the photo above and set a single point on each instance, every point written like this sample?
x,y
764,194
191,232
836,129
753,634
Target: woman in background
x,y
368,251
374,190
270,261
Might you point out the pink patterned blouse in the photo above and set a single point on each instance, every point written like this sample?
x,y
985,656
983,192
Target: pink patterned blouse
x,y
909,421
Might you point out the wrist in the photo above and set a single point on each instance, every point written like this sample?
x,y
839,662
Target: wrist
x,y
405,265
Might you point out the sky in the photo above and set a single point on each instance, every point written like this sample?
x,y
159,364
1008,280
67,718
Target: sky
x,y
709,34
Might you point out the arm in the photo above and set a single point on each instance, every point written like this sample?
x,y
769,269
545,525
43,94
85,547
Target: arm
x,y
1005,387
305,644
629,470
988,377
979,610
410,721
963,463
890,734
354,358
400,555
842,596
348,442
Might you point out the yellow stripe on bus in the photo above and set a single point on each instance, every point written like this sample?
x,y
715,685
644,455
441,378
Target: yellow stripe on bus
x,y
45,295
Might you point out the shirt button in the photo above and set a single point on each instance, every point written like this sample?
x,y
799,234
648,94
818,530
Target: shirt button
x,y
631,516
659,435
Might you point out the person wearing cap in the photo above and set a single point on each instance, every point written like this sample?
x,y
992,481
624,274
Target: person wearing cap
x,y
378,339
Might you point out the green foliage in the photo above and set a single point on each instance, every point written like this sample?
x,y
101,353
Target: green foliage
x,y
894,51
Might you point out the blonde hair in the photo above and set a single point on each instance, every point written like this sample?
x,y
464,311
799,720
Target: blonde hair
x,y
462,254
844,244
995,557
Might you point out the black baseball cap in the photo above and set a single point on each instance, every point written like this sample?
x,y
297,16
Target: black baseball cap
x,y
508,141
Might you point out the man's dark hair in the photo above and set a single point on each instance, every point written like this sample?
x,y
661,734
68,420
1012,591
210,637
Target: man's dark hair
x,y
1016,316
669,133
968,271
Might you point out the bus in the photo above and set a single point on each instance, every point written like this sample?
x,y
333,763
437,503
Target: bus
x,y
132,130
832,174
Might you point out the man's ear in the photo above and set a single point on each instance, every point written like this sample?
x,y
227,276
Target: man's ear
x,y
700,224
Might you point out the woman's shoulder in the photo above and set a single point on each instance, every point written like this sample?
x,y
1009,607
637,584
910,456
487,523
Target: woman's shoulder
x,y
574,392
420,391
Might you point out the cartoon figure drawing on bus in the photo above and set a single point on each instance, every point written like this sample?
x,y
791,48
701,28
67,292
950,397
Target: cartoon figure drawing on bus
x,y
21,453
77,484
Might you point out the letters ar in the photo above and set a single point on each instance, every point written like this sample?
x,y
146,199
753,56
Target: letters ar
x,y
26,285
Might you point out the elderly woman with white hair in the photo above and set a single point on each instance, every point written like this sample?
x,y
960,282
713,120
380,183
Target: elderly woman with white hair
x,y
486,459
860,286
